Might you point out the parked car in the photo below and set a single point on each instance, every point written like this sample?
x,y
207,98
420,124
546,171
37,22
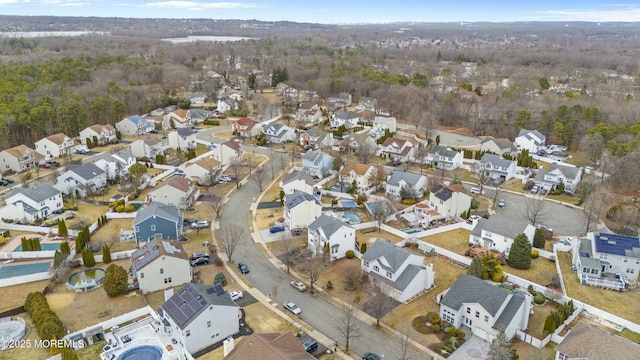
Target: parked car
x,y
282,150
184,238
535,189
70,216
544,227
371,356
10,181
243,268
473,218
475,190
224,178
53,163
199,261
4,182
299,286
81,150
235,295
502,203
293,308
58,211
199,254
200,224
310,346
275,229
45,166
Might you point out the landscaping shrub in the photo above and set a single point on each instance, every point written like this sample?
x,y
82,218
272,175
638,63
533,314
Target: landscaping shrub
x,y
538,298
350,254
220,279
435,328
3,240
329,285
87,257
535,254
48,324
116,280
538,239
419,323
409,201
520,254
129,209
212,122
106,254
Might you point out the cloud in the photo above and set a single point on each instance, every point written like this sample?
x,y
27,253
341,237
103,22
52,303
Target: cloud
x,y
193,5
623,13
75,4
7,2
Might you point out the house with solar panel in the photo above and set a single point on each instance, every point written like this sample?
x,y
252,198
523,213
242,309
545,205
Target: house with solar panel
x,y
200,315
160,264
28,204
398,272
485,308
157,221
330,230
301,209
606,259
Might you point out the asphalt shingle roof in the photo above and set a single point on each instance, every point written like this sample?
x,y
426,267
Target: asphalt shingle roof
x,y
410,178
37,193
470,289
392,254
190,301
328,224
169,212
86,171
588,342
501,224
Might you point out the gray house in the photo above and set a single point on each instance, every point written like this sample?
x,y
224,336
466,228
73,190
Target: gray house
x,y
496,167
158,221
406,180
316,163
85,179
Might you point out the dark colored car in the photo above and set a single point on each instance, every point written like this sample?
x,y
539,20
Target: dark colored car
x,y
4,182
243,268
53,163
275,229
371,356
200,261
10,181
59,211
310,346
199,254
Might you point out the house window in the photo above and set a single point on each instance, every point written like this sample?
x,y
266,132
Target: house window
x,y
161,271
157,236
376,268
594,271
137,228
468,310
188,333
366,264
153,228
389,274
486,318
562,356
141,275
209,323
478,314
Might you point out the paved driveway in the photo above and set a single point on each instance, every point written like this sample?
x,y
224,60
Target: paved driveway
x,y
472,349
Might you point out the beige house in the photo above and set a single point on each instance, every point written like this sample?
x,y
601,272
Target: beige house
x,y
160,264
179,118
203,170
54,146
362,174
176,191
18,158
227,151
589,342
301,209
148,146
103,133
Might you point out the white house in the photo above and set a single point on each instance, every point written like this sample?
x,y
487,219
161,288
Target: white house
x,y
160,264
84,179
364,175
309,112
450,201
297,181
531,140
367,104
203,170
104,134
134,125
398,272
550,178
348,119
226,104
496,167
227,151
602,254
339,236
183,139
197,98
405,179
317,163
397,149
589,342
485,308
177,191
498,146
383,123
54,146
27,204
18,158
301,209
353,142
115,164
278,133
200,315
498,232
177,119
148,146
443,157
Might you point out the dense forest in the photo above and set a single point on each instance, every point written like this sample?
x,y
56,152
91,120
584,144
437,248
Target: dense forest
x,y
578,83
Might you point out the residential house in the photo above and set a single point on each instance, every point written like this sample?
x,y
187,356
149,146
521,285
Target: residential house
x,y
397,150
354,142
199,115
531,140
177,191
329,232
398,272
309,112
183,139
199,315
366,104
297,181
364,175
246,127
135,125
339,101
115,164
317,163
157,221
226,104
315,138
450,200
18,158
227,151
496,167
160,264
587,342
31,203
234,95
269,346
550,178
383,123
54,146
177,119
414,184
148,146
85,179
498,232
278,133
301,209
197,98
203,171
602,255
498,146
485,308
104,134
443,157
348,119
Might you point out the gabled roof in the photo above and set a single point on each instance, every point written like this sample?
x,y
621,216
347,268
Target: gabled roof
x,y
275,127
393,255
190,301
502,143
328,224
569,172
383,120
155,249
357,138
99,128
399,143
316,133
409,178
149,139
235,145
470,289
180,112
245,121
444,192
291,177
347,115
502,225
86,171
185,131
37,193
496,160
617,244
18,152
443,151
533,135
169,212
136,119
315,156
177,182
270,346
589,342
208,163
358,168
57,138
297,198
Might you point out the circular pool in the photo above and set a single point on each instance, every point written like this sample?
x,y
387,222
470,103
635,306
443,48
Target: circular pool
x,y
11,329
142,352
352,218
86,279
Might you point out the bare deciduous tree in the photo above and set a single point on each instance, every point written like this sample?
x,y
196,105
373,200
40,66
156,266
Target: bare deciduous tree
x,y
378,176
347,323
235,163
287,244
260,177
380,212
313,268
380,301
352,276
365,152
535,209
231,236
217,204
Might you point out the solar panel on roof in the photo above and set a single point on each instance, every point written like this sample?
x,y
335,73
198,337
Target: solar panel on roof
x,y
210,290
218,289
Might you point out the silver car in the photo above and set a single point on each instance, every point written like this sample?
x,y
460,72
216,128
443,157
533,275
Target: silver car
x,y
293,308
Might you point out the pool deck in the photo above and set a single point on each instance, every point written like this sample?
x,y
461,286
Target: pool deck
x,y
16,241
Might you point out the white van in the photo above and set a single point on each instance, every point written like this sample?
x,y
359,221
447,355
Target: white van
x,y
475,190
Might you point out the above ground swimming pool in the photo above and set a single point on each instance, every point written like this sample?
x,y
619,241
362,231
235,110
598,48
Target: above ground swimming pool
x,y
348,204
11,329
86,279
142,352
352,218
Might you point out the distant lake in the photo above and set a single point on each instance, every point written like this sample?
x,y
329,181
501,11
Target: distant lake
x,y
37,34
191,39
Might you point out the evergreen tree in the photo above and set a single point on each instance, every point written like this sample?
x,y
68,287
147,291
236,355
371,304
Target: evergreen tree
x,y
106,254
116,279
65,250
363,247
500,348
62,228
475,269
88,258
520,253
538,239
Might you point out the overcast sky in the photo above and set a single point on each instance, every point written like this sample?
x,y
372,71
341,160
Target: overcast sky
x,y
337,12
